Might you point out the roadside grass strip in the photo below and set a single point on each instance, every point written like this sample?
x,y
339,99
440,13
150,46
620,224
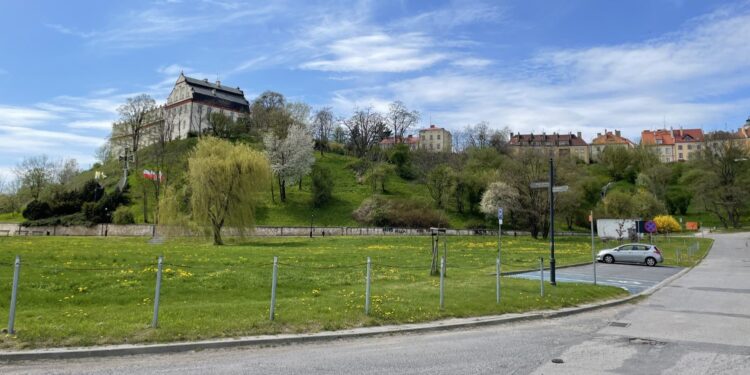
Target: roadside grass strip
x,y
82,291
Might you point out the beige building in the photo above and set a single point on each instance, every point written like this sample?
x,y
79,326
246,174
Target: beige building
x,y
187,111
674,144
557,145
435,139
740,138
606,140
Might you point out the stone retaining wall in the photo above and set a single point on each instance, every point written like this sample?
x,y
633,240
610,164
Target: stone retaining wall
x,y
147,230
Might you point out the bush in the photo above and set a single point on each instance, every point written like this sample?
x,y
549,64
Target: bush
x,y
666,223
36,210
123,215
383,212
322,185
66,203
678,200
336,148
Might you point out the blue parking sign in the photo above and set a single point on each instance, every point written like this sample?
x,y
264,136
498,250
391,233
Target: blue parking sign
x,y
500,213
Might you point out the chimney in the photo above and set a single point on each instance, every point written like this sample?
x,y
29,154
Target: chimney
x,y
617,133
205,80
218,83
409,136
432,126
598,134
511,134
680,130
578,134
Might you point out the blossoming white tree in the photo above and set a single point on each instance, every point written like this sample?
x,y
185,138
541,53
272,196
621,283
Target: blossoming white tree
x,y
291,157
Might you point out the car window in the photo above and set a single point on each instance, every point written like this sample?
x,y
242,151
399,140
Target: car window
x,y
625,247
639,247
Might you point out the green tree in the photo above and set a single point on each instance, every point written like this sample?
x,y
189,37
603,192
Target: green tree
x,y
678,200
440,181
378,176
322,185
225,180
720,181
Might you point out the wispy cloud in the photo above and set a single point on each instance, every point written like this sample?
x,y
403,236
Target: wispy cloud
x,y
24,116
164,22
378,53
471,62
91,124
684,77
70,31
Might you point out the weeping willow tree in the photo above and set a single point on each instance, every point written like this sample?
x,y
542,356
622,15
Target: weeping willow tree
x,y
224,181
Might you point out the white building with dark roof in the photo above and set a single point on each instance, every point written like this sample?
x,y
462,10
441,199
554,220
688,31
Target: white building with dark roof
x,y
187,111
192,101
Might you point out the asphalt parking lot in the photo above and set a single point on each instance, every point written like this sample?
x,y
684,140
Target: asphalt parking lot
x,y
633,277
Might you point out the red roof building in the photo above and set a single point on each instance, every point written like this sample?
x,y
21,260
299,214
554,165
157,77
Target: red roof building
x,y
561,145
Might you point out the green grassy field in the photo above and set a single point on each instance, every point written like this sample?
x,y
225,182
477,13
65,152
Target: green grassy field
x,y
87,291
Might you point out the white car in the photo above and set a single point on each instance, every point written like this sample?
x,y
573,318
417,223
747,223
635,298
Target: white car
x,y
631,253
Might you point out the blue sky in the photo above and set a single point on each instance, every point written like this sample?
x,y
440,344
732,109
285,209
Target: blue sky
x,y
536,66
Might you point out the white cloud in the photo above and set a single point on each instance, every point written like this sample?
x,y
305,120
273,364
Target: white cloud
x,y
91,124
23,116
471,62
163,23
378,52
691,78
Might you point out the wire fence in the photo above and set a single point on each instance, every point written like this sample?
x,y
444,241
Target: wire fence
x,y
369,268
358,271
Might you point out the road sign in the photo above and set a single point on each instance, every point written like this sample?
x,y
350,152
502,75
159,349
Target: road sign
x,y
539,185
500,214
560,189
650,226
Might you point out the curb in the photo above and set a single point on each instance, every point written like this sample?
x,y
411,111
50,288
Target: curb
x,y
287,339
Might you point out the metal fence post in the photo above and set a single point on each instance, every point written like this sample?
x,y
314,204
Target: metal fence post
x,y
155,320
497,280
367,288
13,296
541,276
273,286
442,283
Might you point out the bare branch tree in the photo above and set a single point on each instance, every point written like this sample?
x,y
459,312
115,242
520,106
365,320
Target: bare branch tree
x,y
400,119
365,130
323,122
133,117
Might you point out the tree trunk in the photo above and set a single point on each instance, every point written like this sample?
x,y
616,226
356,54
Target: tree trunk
x,y
273,197
300,183
145,205
217,235
282,190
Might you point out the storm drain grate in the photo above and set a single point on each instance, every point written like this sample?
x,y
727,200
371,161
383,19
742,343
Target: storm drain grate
x,y
619,324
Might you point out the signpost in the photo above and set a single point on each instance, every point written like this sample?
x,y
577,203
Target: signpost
x,y
593,248
650,227
499,239
550,185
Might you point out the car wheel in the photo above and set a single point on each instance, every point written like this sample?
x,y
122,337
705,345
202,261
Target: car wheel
x,y
650,261
609,259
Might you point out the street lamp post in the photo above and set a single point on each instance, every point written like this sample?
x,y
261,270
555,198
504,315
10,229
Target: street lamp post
x,y
312,216
551,222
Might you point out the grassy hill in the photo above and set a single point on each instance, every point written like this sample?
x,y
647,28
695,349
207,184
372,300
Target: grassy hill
x,y
348,193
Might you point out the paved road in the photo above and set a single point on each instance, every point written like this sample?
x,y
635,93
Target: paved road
x,y
700,324
633,277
